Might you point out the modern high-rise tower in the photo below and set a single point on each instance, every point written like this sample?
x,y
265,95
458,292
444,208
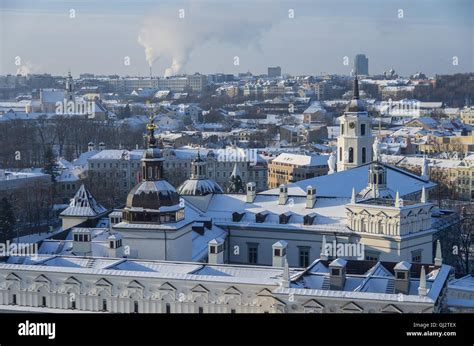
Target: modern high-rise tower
x,y
361,65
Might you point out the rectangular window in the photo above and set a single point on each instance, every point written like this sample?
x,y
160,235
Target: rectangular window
x,y
104,304
416,256
201,310
43,301
253,253
14,299
168,308
135,307
304,257
362,129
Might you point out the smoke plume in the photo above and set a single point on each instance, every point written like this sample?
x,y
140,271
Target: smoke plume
x,y
164,35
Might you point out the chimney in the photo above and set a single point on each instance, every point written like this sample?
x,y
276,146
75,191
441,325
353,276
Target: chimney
x,y
402,277
250,192
310,197
283,195
279,253
438,260
101,146
90,146
337,274
115,248
216,251
422,288
81,240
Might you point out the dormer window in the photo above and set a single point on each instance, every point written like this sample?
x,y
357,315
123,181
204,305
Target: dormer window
x,y
401,275
237,217
309,219
260,217
285,218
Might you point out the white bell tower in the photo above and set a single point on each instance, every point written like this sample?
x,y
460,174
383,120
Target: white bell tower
x,y
354,144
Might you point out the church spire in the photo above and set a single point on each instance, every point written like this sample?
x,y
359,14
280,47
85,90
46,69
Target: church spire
x,y
151,126
356,88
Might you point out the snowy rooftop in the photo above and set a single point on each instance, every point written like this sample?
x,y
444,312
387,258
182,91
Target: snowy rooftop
x,y
367,279
340,184
114,154
83,204
302,160
146,269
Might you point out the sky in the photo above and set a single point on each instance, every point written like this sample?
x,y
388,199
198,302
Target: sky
x,y
232,36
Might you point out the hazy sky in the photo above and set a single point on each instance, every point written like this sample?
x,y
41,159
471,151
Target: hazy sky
x,y
106,34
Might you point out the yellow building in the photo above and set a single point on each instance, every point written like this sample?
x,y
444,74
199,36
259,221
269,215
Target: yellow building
x,y
289,168
467,115
437,144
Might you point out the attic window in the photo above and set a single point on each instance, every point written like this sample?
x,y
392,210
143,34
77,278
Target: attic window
x,y
237,217
285,217
260,217
400,275
309,219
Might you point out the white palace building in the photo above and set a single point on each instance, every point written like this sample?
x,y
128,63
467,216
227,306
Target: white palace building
x,y
197,249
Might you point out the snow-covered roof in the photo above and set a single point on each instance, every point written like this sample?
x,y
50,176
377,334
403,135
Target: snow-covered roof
x,y
83,204
367,280
302,160
340,184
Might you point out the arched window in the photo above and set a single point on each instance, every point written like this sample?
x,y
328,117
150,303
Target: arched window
x,y
351,155
340,154
364,154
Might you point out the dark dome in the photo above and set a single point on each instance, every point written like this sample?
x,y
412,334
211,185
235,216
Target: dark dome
x,y
199,187
152,195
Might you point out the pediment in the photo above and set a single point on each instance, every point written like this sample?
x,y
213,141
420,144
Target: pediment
x,y
351,306
313,304
167,287
103,283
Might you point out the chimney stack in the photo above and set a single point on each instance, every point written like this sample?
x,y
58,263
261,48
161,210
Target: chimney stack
x,y
216,251
251,192
402,277
279,253
310,197
283,195
337,274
